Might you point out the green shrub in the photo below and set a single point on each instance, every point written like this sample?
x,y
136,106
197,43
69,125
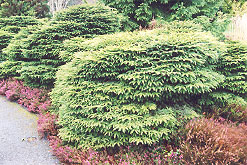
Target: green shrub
x,y
5,38
11,29
232,112
234,66
233,90
221,99
115,92
14,23
13,53
70,47
14,50
21,21
43,45
9,69
96,20
35,74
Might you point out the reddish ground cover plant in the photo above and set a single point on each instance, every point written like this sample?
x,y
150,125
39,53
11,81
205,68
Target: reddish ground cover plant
x,y
124,156
47,125
210,141
35,100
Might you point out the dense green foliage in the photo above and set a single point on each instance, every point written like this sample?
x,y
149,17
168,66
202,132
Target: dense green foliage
x,y
39,48
70,47
9,27
5,38
141,12
14,50
20,21
205,12
36,8
233,64
9,69
116,91
14,24
96,20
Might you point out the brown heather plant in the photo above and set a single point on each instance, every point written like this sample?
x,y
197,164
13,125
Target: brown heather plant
x,y
209,141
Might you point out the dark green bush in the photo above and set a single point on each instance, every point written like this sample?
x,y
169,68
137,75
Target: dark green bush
x,y
96,20
11,29
35,73
9,69
13,53
233,90
43,45
221,99
234,66
14,50
14,23
116,91
5,38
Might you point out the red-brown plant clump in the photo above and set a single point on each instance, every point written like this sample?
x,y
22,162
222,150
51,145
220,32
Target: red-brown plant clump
x,y
209,141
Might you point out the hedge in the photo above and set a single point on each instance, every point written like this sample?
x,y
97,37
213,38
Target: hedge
x,y
117,90
14,50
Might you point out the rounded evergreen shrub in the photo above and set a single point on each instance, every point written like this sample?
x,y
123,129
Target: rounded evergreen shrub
x,y
96,19
14,50
116,91
41,48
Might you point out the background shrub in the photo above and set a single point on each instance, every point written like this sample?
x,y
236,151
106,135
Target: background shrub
x,y
14,50
5,38
39,49
233,112
15,23
115,92
231,94
13,53
234,66
212,142
96,20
